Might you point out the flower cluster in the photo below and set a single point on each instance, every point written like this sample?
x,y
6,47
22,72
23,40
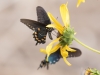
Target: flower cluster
x,y
92,71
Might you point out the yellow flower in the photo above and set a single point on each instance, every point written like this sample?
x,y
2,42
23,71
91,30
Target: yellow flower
x,y
66,36
64,31
79,2
49,48
67,33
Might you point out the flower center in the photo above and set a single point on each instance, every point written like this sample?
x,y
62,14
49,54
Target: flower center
x,y
67,36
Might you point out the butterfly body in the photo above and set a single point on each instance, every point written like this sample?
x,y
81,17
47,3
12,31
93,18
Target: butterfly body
x,y
39,26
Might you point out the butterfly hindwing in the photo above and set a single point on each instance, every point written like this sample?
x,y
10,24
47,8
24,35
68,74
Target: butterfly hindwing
x,y
40,35
40,32
54,57
75,54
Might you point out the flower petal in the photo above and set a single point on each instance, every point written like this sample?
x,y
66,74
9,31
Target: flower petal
x,y
55,48
43,51
50,51
65,14
69,49
47,57
49,48
55,21
79,2
66,61
63,51
64,54
56,40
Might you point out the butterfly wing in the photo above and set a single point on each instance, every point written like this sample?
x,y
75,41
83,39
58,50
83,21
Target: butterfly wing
x,y
55,57
75,54
40,27
40,32
43,18
32,24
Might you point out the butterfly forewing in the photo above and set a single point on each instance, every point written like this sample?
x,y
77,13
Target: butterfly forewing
x,y
42,16
32,24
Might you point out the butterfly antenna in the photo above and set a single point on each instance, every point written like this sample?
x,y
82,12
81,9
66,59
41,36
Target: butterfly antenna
x,y
38,67
56,17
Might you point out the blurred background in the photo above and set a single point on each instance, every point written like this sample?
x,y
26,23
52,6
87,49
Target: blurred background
x,y
20,56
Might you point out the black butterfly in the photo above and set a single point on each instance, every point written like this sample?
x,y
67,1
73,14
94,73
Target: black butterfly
x,y
55,57
39,26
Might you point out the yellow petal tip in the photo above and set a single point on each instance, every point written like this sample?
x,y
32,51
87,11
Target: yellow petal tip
x,y
79,2
66,61
43,51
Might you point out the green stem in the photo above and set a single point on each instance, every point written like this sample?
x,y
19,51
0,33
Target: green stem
x,y
86,45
